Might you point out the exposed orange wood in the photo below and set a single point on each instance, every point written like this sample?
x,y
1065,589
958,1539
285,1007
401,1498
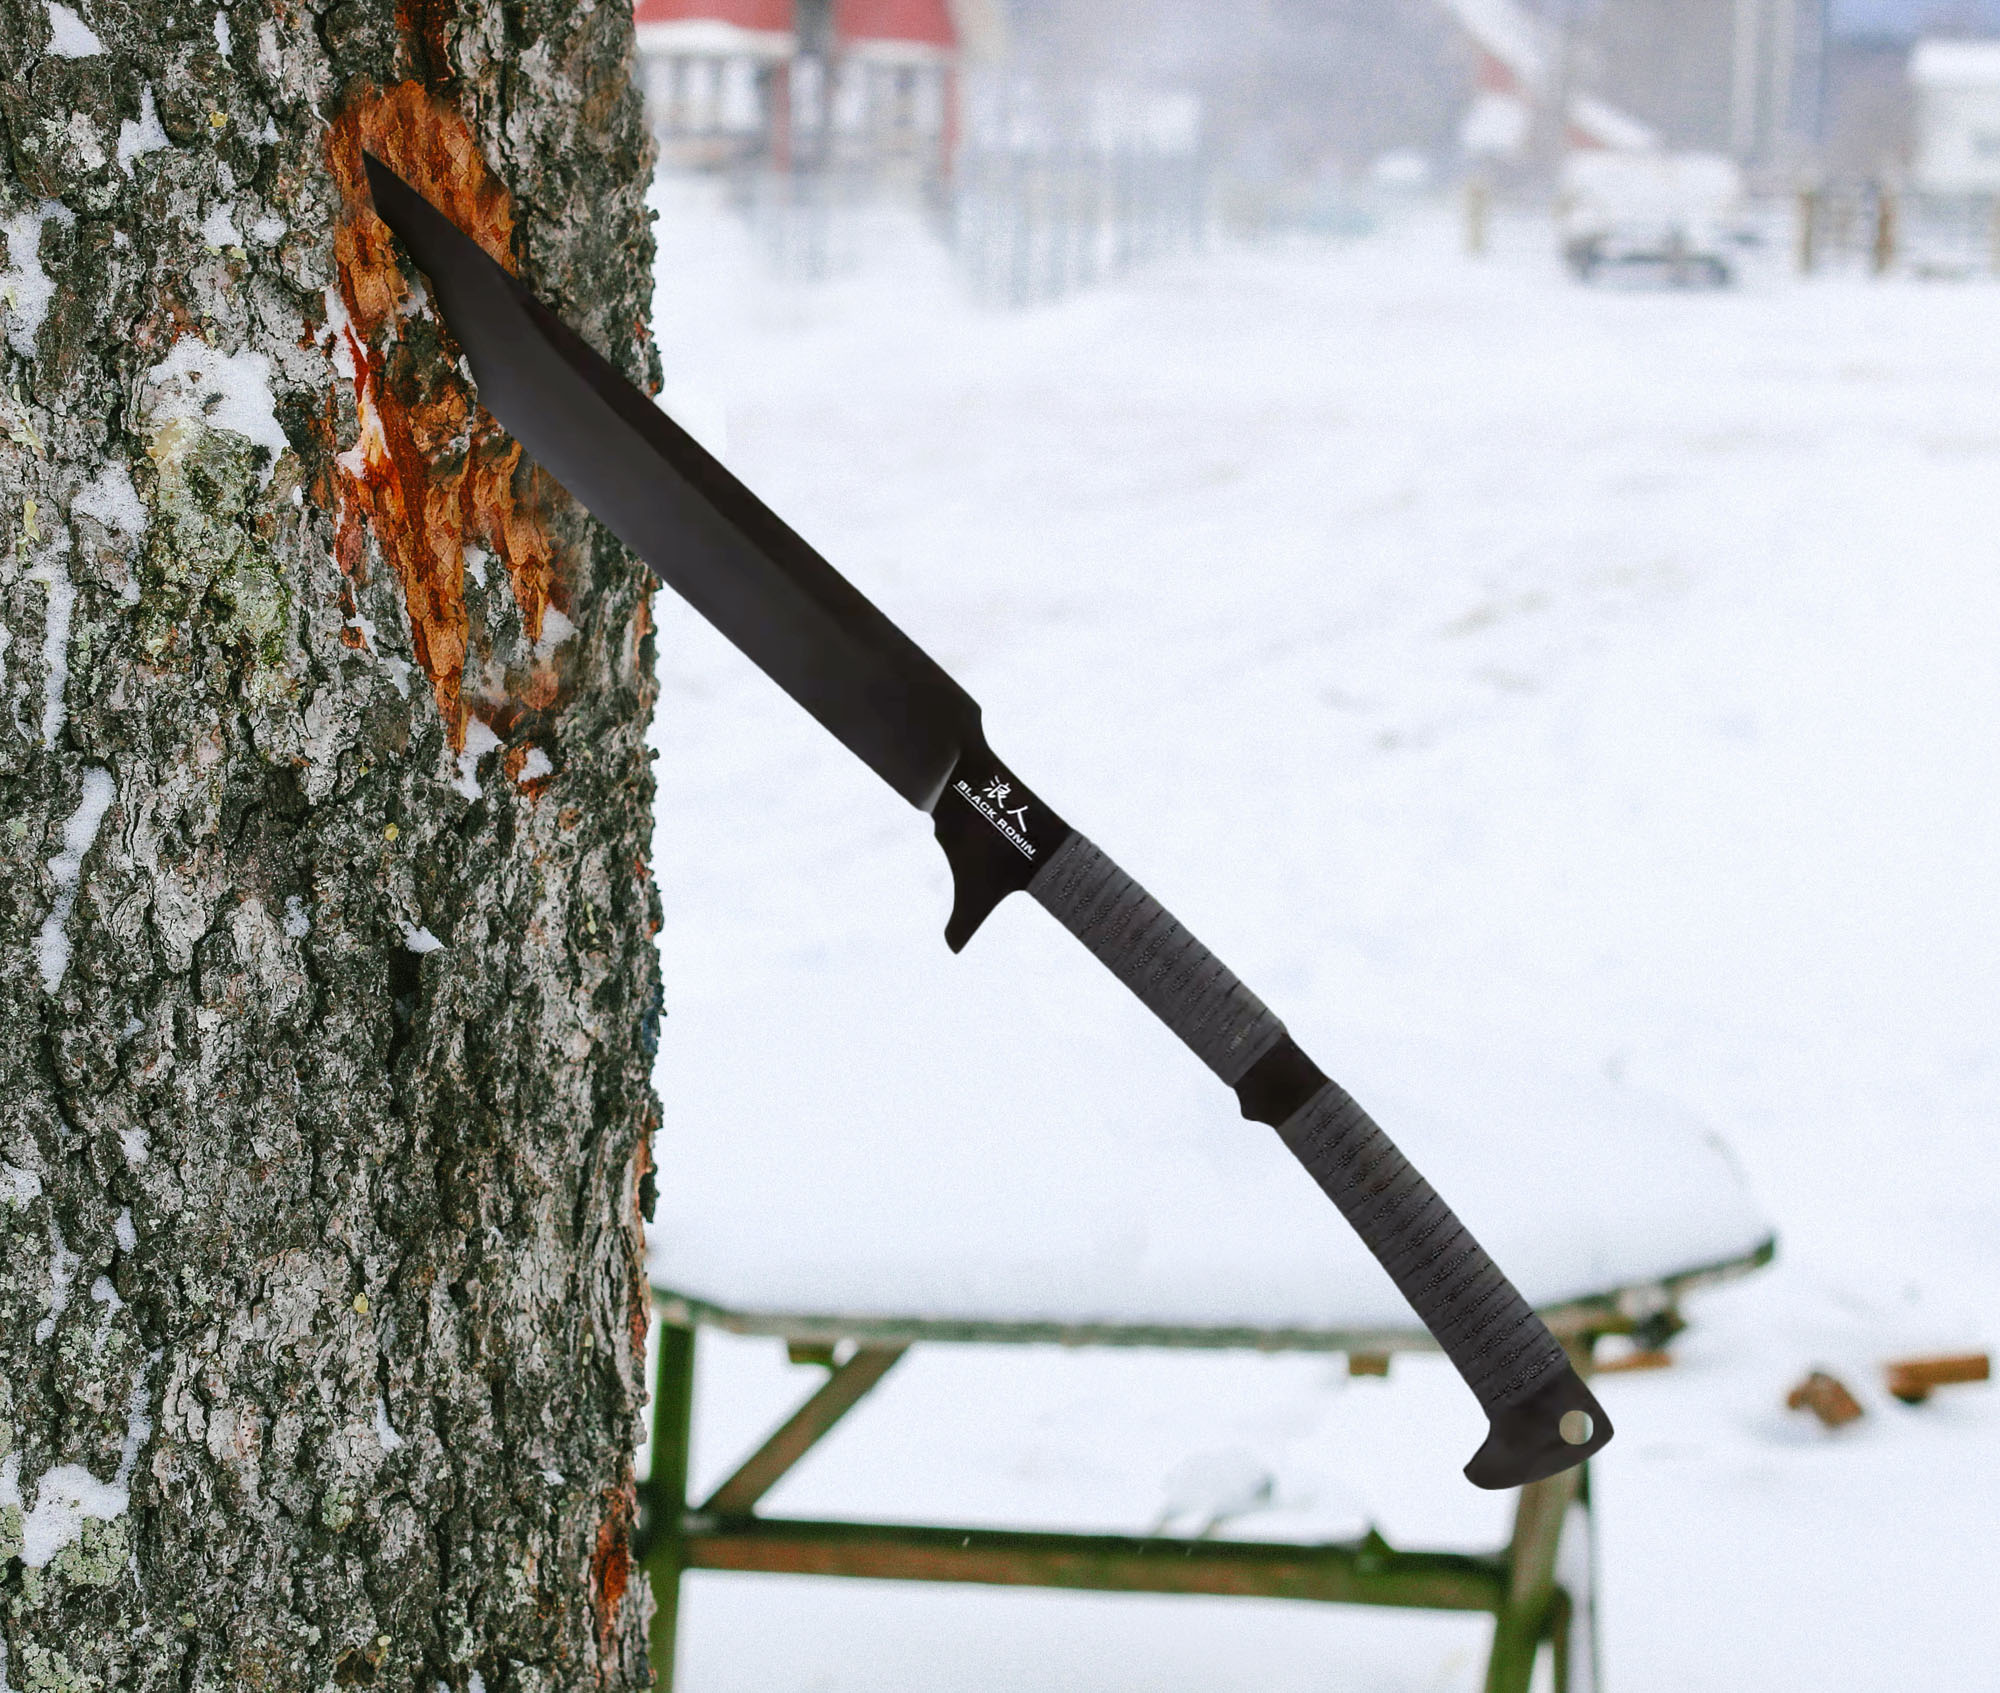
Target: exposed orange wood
x,y
429,470
611,1566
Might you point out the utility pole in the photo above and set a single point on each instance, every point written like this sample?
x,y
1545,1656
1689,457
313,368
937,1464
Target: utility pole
x,y
1744,58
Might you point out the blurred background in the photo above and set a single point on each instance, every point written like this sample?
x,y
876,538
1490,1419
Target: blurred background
x,y
1492,510
1055,142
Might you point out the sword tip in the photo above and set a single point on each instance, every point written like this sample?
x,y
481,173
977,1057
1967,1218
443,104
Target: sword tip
x,y
382,181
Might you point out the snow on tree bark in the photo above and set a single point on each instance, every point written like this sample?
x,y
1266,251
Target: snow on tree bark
x,y
327,989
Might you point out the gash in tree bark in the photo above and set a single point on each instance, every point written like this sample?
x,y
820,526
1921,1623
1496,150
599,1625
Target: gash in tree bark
x,y
327,989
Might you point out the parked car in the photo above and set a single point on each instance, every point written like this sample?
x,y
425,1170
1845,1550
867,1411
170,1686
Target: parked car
x,y
1669,217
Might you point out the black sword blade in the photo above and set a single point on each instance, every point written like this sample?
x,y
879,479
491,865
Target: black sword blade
x,y
703,533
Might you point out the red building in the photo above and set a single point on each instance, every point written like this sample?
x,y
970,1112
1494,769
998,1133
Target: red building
x,y
851,81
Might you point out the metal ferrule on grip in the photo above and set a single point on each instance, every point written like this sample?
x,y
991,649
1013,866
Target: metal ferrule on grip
x,y
1140,942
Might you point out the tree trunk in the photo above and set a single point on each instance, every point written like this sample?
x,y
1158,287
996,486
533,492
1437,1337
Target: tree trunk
x,y
327,989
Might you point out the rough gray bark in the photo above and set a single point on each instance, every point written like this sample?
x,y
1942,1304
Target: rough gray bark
x,y
326,979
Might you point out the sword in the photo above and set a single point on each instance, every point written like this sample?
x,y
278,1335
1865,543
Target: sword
x,y
812,632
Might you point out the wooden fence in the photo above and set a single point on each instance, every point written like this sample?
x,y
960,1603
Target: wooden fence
x,y
1882,230
1034,224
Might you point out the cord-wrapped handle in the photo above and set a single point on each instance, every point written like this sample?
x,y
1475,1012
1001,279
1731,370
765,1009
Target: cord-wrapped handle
x,y
1543,1417
1140,942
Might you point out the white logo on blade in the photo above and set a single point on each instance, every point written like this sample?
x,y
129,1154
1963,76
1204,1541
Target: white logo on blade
x,y
992,805
997,791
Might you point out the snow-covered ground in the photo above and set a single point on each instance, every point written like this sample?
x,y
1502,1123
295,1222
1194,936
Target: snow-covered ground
x,y
1474,660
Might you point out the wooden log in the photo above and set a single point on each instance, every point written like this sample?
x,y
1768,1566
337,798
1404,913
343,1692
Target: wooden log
x,y
1827,1398
1913,1379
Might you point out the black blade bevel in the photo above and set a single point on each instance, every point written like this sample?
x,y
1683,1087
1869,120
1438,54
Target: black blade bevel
x,y
681,510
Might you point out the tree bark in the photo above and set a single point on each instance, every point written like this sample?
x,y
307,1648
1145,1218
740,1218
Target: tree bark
x,y
327,988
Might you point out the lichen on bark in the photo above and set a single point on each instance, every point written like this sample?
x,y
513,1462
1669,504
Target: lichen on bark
x,y
327,989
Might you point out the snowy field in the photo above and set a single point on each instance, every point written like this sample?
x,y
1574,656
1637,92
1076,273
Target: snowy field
x,y
1482,665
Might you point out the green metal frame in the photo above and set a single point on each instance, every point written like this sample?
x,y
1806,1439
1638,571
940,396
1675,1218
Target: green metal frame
x,y
1517,1585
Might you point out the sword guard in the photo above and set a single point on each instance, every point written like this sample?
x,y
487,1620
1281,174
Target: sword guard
x,y
995,833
